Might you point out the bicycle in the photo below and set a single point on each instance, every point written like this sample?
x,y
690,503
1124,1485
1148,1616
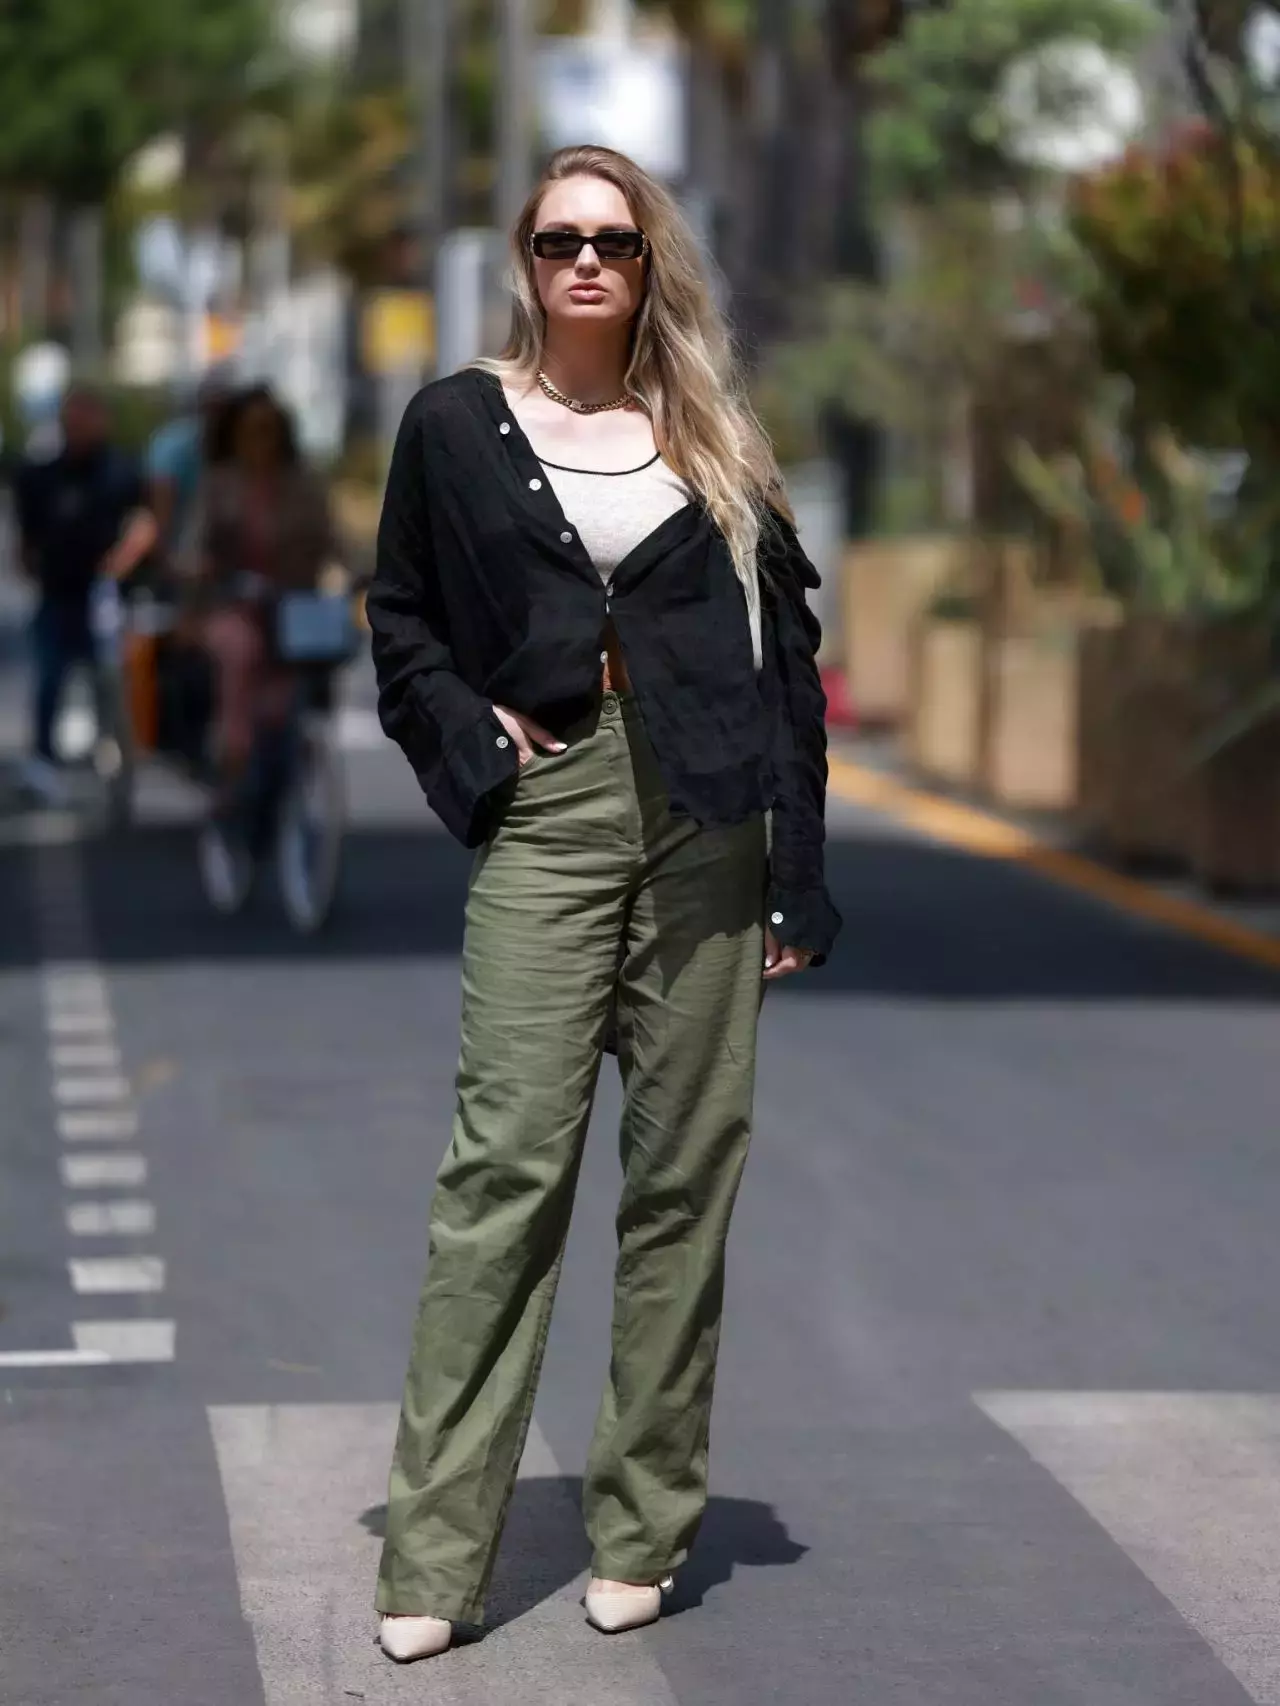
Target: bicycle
x,y
290,808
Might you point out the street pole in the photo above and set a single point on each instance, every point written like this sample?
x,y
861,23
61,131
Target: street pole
x,y
427,37
514,109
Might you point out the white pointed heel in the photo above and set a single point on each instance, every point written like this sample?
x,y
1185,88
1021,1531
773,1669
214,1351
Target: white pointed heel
x,y
612,1610
407,1638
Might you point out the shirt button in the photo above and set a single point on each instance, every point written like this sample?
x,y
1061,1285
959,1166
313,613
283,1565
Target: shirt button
x,y
566,538
604,657
775,918
505,428
608,587
535,485
503,741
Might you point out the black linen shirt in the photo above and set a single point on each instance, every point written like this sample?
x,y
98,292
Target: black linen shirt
x,y
484,594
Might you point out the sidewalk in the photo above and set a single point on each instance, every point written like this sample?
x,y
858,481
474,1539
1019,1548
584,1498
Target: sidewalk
x,y
870,769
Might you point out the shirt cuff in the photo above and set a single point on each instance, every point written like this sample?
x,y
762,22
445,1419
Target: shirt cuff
x,y
474,766
803,918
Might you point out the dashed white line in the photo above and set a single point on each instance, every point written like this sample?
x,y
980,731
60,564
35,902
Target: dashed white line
x,y
80,1022
126,1341
107,1125
128,1218
82,1057
99,1275
89,1172
93,1106
84,1092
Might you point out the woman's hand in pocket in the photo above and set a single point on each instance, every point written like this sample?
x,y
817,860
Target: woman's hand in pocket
x,y
526,734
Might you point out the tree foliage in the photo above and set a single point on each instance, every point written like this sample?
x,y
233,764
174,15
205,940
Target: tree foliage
x,y
941,128
85,83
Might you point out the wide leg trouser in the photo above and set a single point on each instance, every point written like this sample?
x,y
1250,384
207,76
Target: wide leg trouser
x,y
590,883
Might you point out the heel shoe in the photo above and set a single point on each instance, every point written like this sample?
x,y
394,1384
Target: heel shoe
x,y
611,1610
407,1638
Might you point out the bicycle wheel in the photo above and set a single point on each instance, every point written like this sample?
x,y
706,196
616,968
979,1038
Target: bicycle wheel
x,y
226,868
309,835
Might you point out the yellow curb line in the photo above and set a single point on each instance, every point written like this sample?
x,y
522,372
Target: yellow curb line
x,y
992,838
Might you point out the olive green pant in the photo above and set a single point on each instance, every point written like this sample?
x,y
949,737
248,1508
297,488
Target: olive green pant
x,y
588,885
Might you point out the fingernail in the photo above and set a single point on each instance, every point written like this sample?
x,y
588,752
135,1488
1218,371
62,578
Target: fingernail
x,y
768,963
559,746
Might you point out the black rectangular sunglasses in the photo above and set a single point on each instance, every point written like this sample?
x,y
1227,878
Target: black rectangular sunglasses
x,y
608,245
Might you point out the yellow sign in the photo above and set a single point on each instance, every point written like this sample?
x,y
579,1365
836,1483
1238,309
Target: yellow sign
x,y
223,337
398,331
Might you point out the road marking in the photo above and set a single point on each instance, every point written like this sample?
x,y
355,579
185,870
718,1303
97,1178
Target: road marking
x,y
990,837
90,1172
93,1105
1188,1484
80,1057
94,1276
82,1092
128,1218
53,1359
126,1341
89,1022
305,1487
98,1126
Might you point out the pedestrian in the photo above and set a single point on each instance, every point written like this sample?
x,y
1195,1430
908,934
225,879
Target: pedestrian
x,y
82,521
591,640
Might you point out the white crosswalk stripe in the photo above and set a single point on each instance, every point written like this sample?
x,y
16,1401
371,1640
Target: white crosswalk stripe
x,y
1188,1483
301,1483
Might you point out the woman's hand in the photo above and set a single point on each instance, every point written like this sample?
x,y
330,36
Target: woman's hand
x,y
526,734
780,961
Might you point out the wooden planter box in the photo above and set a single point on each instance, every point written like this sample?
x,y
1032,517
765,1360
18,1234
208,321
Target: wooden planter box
x,y
1137,726
1032,756
886,584
1151,691
944,729
1234,812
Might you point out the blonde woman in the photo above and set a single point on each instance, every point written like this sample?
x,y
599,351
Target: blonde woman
x,y
591,640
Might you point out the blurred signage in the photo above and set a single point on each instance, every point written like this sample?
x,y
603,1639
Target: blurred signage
x,y
398,331
222,338
623,92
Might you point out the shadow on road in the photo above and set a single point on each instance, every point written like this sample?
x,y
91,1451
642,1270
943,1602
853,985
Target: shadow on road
x,y
922,922
543,1546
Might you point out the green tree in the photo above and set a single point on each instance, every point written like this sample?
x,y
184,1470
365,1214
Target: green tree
x,y
85,83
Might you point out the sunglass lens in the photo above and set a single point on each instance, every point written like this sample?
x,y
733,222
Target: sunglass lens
x,y
557,245
618,245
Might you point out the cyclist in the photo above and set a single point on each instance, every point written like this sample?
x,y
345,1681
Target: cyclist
x,y
82,519
261,527
176,456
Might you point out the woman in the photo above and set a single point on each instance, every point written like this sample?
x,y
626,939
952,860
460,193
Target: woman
x,y
591,641
260,526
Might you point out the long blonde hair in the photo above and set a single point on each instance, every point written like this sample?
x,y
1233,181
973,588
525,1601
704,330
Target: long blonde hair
x,y
682,370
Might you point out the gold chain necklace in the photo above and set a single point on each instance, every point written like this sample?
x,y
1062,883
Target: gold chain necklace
x,y
578,408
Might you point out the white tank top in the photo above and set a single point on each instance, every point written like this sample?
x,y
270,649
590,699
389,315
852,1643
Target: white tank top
x,y
613,513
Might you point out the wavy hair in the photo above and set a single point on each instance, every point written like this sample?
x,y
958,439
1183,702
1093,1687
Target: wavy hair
x,y
682,370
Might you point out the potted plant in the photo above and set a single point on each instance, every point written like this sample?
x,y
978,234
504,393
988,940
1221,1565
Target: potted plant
x,y
1177,729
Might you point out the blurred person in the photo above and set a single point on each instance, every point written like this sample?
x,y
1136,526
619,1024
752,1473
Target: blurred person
x,y
260,526
82,520
176,456
592,642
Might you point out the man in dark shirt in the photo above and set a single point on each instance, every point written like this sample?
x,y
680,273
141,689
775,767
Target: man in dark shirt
x,y
81,519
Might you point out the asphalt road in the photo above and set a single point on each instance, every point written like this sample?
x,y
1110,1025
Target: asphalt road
x,y
998,1419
